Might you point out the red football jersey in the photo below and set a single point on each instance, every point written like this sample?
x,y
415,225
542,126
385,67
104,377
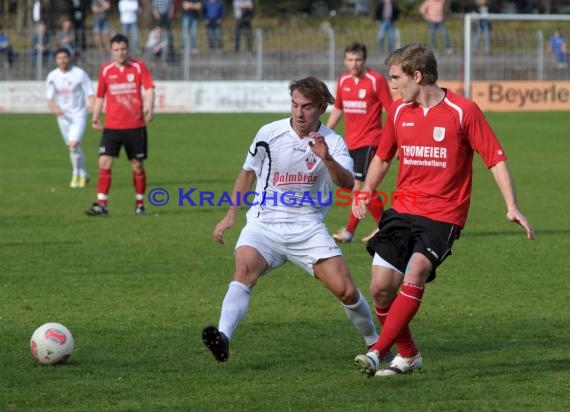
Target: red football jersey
x,y
122,87
436,147
362,101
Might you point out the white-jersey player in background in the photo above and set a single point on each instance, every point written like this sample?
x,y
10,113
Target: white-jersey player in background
x,y
296,162
70,96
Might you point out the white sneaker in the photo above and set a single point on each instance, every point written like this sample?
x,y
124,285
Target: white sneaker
x,y
402,365
368,364
343,236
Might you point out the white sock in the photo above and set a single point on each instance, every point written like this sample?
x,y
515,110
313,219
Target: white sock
x,y
74,157
361,317
234,307
81,162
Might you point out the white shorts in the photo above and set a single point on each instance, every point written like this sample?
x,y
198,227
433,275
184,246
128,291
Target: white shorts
x,y
301,243
72,128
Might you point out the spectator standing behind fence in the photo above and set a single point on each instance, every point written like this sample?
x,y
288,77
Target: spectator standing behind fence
x,y
191,13
387,13
77,15
100,9
157,44
557,46
483,27
213,16
433,11
41,43
5,47
163,13
65,39
243,12
128,16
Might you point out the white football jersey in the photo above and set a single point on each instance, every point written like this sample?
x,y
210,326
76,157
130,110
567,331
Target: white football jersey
x,y
69,89
293,184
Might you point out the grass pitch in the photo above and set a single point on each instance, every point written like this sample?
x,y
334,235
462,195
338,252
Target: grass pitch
x,y
136,292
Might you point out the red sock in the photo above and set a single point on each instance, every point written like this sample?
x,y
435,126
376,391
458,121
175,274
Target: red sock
x,y
103,186
400,315
352,223
376,211
404,341
139,182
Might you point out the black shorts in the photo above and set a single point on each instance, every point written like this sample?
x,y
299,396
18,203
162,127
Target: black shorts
x,y
134,141
401,235
362,158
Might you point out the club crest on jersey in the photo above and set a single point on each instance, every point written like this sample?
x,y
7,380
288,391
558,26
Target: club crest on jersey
x,y
438,134
310,161
361,93
130,77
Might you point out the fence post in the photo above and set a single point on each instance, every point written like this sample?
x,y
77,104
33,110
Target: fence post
x,y
186,58
467,55
259,41
332,49
539,55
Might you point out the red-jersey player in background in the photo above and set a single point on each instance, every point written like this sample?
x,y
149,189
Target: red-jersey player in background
x,y
128,110
361,94
435,132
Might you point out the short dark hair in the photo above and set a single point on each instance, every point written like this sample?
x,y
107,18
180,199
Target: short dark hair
x,y
314,89
356,47
119,38
415,58
63,50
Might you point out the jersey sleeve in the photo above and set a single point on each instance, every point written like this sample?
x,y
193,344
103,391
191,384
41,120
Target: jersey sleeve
x,y
481,137
340,154
388,144
146,77
50,87
256,154
338,97
86,84
384,95
101,85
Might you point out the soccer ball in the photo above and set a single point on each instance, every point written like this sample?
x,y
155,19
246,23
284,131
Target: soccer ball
x,y
51,343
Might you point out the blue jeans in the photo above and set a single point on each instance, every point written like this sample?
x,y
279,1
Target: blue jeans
x,y
189,30
433,27
214,33
131,30
388,29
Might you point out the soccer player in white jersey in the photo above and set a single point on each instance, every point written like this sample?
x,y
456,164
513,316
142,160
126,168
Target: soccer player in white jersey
x,y
296,161
70,96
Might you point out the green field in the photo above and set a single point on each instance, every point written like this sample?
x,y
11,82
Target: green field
x,y
494,328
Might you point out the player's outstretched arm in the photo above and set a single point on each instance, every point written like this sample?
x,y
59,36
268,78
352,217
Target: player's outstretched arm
x,y
376,173
504,180
243,183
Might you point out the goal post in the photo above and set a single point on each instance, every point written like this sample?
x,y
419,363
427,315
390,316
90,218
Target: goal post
x,y
469,18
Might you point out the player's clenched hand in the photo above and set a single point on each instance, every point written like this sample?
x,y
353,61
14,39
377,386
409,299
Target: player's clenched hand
x,y
96,123
318,145
360,201
148,116
226,223
517,217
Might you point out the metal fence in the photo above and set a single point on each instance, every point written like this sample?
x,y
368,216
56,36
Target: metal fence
x,y
284,53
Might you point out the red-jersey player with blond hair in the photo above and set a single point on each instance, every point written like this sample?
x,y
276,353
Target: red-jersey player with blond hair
x,y
435,132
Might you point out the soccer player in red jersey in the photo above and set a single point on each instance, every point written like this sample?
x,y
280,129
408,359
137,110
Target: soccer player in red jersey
x,y
361,95
128,110
435,132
